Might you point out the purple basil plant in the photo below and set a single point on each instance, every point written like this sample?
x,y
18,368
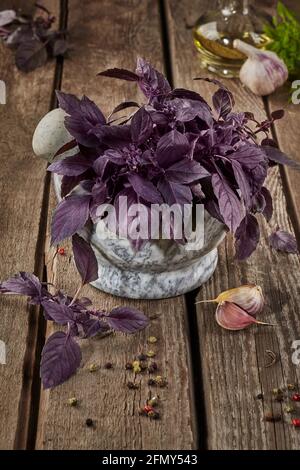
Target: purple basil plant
x,y
172,149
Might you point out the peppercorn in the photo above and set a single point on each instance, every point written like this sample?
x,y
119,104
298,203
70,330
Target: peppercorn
x,y
291,386
89,422
260,396
93,367
151,382
271,417
161,381
142,357
289,409
132,385
61,251
153,414
136,367
143,365
152,367
279,396
108,365
296,422
152,339
153,401
128,366
72,401
151,353
296,397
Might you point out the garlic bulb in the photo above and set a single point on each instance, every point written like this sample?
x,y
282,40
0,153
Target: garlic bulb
x,y
263,71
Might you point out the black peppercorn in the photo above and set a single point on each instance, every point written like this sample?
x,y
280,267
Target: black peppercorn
x,y
152,367
89,422
128,366
108,365
260,396
151,382
132,385
142,357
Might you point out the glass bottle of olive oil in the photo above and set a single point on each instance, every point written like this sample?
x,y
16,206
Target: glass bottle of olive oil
x,y
215,32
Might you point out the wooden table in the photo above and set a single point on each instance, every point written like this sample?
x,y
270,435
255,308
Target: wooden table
x,y
214,375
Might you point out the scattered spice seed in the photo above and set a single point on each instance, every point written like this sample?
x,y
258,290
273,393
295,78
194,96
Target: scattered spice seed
x,y
151,353
296,422
136,367
72,401
143,365
152,339
89,422
132,385
289,409
260,396
151,382
93,367
61,251
272,356
279,395
153,401
153,414
152,367
108,365
296,397
128,366
142,357
291,386
161,381
271,417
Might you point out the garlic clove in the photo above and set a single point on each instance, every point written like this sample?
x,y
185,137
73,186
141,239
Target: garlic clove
x,y
263,71
249,297
232,317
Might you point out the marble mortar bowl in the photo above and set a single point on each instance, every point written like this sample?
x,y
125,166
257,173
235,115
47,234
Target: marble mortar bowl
x,y
161,268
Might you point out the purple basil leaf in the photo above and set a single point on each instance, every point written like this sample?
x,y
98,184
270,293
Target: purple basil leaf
x,y
24,284
124,105
283,241
68,183
186,94
7,17
127,320
187,110
115,137
92,327
186,171
242,182
249,155
59,313
268,209
85,259
68,102
278,114
71,166
122,74
246,237
23,33
144,188
151,82
141,126
70,216
229,204
175,193
171,147
61,358
30,55
223,102
277,156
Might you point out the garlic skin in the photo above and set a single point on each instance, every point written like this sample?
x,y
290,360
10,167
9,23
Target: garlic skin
x,y
263,71
249,297
232,317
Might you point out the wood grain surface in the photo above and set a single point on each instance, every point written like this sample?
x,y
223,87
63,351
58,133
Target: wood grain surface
x,y
233,363
114,35
22,181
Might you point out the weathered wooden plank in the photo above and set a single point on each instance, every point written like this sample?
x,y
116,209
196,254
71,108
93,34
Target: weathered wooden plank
x,y
107,34
287,132
22,182
233,362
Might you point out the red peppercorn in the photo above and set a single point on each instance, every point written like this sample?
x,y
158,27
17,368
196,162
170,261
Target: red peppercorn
x,y
148,408
296,397
296,422
61,251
